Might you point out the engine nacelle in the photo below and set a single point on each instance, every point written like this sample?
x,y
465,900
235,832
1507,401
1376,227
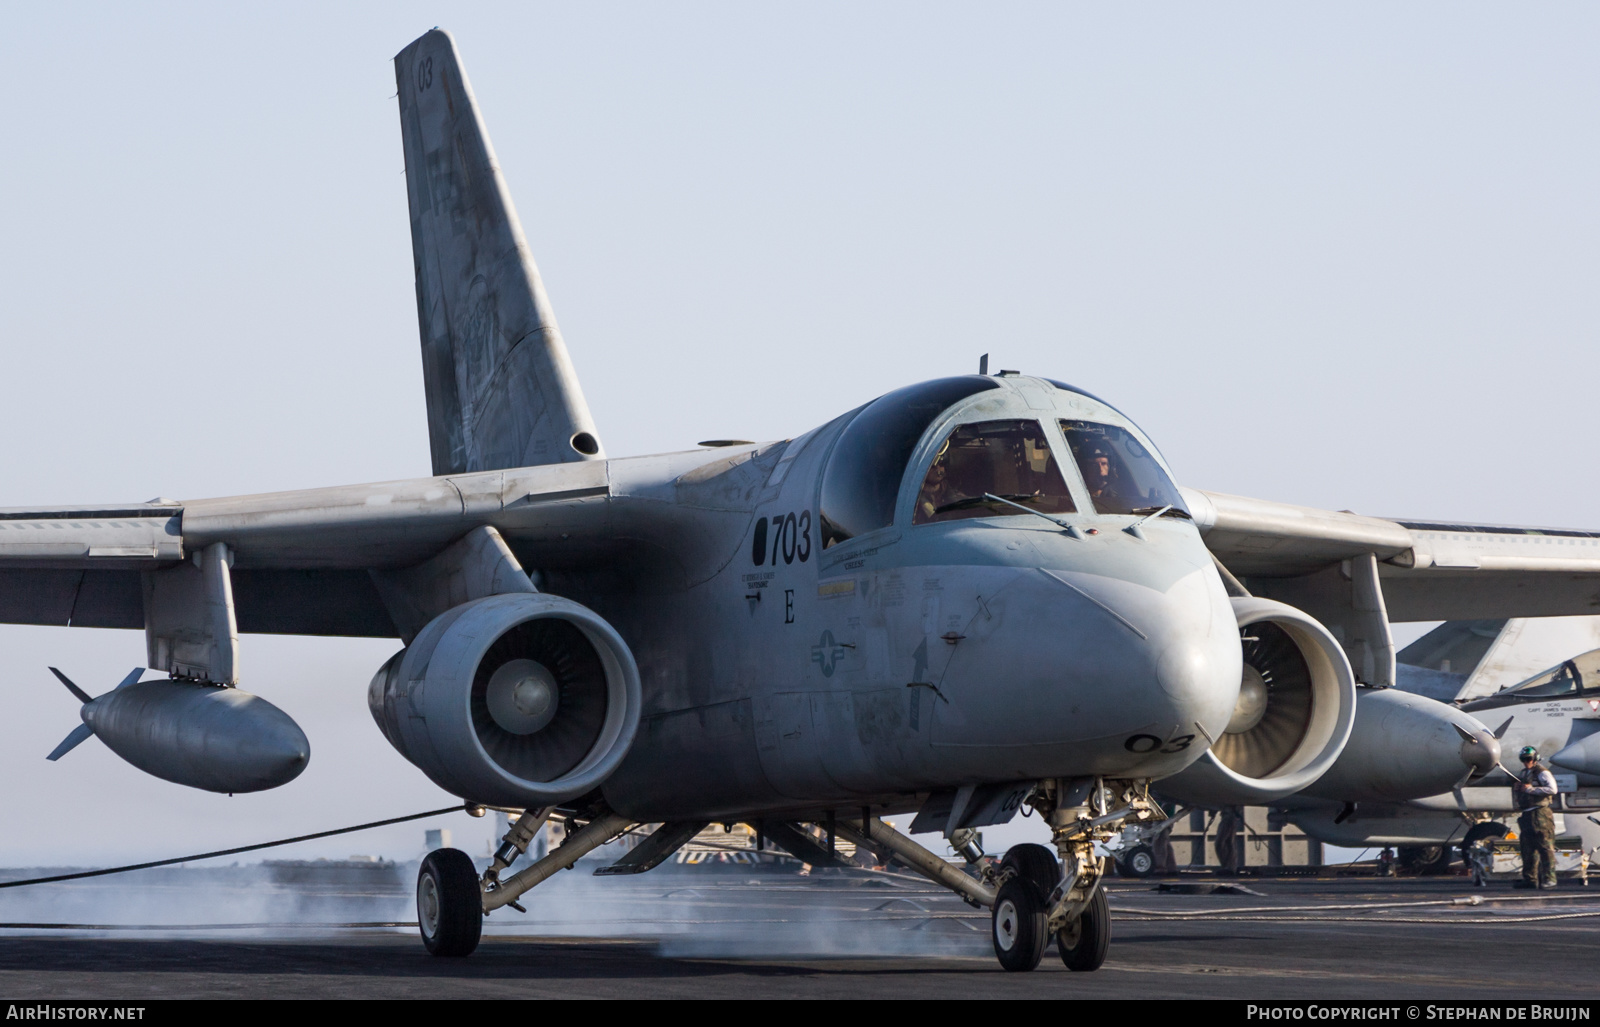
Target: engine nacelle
x,y
1297,702
513,700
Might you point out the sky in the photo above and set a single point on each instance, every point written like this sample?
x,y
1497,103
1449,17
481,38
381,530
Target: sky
x,y
1340,255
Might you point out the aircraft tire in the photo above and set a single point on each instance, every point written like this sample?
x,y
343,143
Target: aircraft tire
x,y
1441,863
1424,859
1489,831
449,903
1018,925
1139,861
1082,944
1034,863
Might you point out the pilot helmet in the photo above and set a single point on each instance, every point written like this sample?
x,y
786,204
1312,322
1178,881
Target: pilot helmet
x,y
1529,753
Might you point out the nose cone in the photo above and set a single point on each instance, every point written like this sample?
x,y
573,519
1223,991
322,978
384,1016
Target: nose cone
x,y
1093,673
1582,756
1405,746
1199,664
1480,751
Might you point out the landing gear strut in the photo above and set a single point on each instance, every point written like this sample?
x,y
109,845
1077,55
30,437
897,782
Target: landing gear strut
x,y
452,900
1080,812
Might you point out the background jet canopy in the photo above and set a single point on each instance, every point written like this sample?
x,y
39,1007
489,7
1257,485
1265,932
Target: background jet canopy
x,y
1573,677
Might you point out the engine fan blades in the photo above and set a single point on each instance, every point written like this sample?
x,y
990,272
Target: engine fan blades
x,y
562,744
1264,747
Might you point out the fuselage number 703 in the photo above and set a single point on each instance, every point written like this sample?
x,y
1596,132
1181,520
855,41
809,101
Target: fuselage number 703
x,y
790,537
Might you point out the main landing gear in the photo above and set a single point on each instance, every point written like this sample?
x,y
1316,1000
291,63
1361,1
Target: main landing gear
x,y
1032,896
452,899
449,905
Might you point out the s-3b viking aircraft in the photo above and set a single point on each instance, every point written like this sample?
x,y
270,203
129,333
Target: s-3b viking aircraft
x,y
970,595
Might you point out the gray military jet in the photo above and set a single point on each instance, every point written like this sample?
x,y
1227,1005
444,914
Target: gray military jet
x,y
970,594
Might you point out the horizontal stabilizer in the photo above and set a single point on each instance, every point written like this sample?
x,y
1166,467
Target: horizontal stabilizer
x,y
79,734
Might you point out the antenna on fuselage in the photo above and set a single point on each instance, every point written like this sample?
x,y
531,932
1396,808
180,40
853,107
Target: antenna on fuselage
x,y
983,364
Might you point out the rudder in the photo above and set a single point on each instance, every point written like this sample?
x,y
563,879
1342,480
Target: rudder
x,y
500,387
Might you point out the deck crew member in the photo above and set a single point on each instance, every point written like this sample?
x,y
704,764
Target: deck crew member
x,y
1536,828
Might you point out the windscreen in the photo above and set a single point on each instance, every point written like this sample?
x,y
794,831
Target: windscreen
x,y
1008,459
869,461
1122,476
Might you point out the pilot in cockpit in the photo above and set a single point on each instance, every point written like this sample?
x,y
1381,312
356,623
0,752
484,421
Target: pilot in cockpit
x,y
1100,474
937,490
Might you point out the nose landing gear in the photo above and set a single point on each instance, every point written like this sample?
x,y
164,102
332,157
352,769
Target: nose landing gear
x,y
1020,927
1020,919
1082,943
1067,897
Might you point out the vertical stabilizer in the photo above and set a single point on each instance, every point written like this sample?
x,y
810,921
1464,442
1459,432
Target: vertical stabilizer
x,y
501,389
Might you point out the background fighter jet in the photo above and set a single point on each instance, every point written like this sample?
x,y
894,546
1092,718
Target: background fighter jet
x,y
968,594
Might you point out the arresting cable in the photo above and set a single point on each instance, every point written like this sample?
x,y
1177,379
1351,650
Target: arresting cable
x,y
464,807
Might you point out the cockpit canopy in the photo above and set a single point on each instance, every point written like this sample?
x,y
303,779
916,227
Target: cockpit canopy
x,y
1574,677
863,474
999,466
981,463
1120,473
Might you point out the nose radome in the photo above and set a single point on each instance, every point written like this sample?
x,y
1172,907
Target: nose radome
x,y
1185,671
1200,661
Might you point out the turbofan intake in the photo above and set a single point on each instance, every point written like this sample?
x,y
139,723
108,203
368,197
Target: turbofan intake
x,y
1297,702
512,700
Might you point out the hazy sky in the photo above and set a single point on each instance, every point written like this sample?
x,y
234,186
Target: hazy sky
x,y
1340,255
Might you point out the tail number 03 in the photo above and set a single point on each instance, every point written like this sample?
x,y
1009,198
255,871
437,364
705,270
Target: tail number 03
x,y
789,536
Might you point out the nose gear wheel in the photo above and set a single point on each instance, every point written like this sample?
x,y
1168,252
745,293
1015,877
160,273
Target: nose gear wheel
x,y
1082,943
1019,928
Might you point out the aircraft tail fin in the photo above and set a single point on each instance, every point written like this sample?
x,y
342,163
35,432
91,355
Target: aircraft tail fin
x,y
501,388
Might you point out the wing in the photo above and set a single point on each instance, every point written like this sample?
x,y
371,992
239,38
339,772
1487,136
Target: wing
x,y
315,561
302,560
1428,570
